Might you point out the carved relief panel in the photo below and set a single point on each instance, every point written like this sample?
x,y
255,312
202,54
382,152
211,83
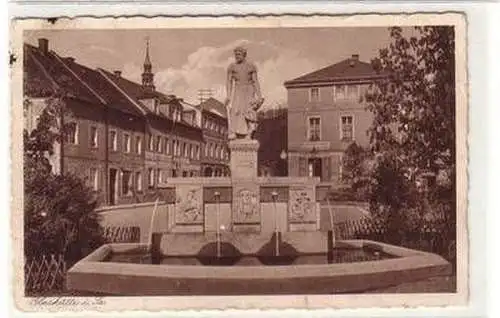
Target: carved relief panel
x,y
189,204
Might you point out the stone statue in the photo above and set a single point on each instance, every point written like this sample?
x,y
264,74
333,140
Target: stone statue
x,y
243,96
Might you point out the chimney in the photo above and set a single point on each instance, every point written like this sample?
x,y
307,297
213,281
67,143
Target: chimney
x,y
118,73
43,45
354,59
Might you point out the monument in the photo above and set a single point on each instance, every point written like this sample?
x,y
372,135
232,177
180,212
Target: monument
x,y
243,100
245,202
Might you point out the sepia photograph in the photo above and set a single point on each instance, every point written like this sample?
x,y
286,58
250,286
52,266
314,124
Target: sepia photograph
x,y
228,160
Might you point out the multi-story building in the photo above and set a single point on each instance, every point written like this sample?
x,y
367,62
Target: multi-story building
x,y
215,153
124,137
326,113
173,141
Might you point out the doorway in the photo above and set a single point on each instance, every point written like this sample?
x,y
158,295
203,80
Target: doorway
x,y
112,186
314,167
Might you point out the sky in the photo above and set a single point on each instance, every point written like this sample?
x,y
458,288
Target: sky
x,y
186,60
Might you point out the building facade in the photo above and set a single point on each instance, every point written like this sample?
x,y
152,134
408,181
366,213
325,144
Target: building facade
x,y
124,137
326,113
215,152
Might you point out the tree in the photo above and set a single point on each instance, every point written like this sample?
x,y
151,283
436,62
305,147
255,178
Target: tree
x,y
413,131
414,105
59,210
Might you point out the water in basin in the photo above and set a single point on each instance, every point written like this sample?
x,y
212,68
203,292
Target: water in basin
x,y
340,255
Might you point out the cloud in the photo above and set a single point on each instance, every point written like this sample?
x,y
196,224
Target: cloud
x,y
206,69
274,71
102,49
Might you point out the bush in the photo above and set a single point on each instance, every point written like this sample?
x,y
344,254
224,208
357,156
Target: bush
x,y
59,217
344,194
59,210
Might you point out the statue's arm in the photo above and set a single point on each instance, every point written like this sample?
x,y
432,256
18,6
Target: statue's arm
x,y
229,84
255,80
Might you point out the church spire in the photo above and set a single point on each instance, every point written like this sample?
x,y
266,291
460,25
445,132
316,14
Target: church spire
x,y
147,60
147,75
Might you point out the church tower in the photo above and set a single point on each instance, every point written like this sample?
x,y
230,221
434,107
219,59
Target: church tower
x,y
147,74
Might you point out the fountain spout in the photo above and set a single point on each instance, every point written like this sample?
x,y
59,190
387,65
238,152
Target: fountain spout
x,y
151,225
274,194
331,233
218,227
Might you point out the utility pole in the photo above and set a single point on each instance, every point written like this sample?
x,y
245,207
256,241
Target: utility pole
x,y
204,94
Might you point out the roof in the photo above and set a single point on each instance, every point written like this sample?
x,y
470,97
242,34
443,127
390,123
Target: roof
x,y
137,92
45,74
214,106
113,97
348,69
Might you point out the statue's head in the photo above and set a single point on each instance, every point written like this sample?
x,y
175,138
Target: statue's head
x,y
240,53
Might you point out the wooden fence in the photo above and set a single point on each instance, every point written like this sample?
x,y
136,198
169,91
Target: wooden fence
x,y
46,275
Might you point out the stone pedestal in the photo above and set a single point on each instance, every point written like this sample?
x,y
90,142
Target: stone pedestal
x,y
243,158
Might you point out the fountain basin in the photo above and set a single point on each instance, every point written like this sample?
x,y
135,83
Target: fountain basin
x,y
96,274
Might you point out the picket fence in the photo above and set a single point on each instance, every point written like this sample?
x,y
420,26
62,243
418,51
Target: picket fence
x,y
46,274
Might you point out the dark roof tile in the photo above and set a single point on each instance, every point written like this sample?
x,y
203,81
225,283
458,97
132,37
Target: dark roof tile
x,y
47,67
347,69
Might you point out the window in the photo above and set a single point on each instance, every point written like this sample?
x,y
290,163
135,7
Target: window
x,y
138,181
314,129
352,92
166,144
191,151
347,128
158,144
363,89
72,133
94,178
156,106
138,144
93,137
158,176
197,152
205,146
174,147
113,140
151,143
184,174
176,114
174,173
151,177
126,142
211,150
314,94
339,92
126,183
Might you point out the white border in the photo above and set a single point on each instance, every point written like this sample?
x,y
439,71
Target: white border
x,y
483,58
